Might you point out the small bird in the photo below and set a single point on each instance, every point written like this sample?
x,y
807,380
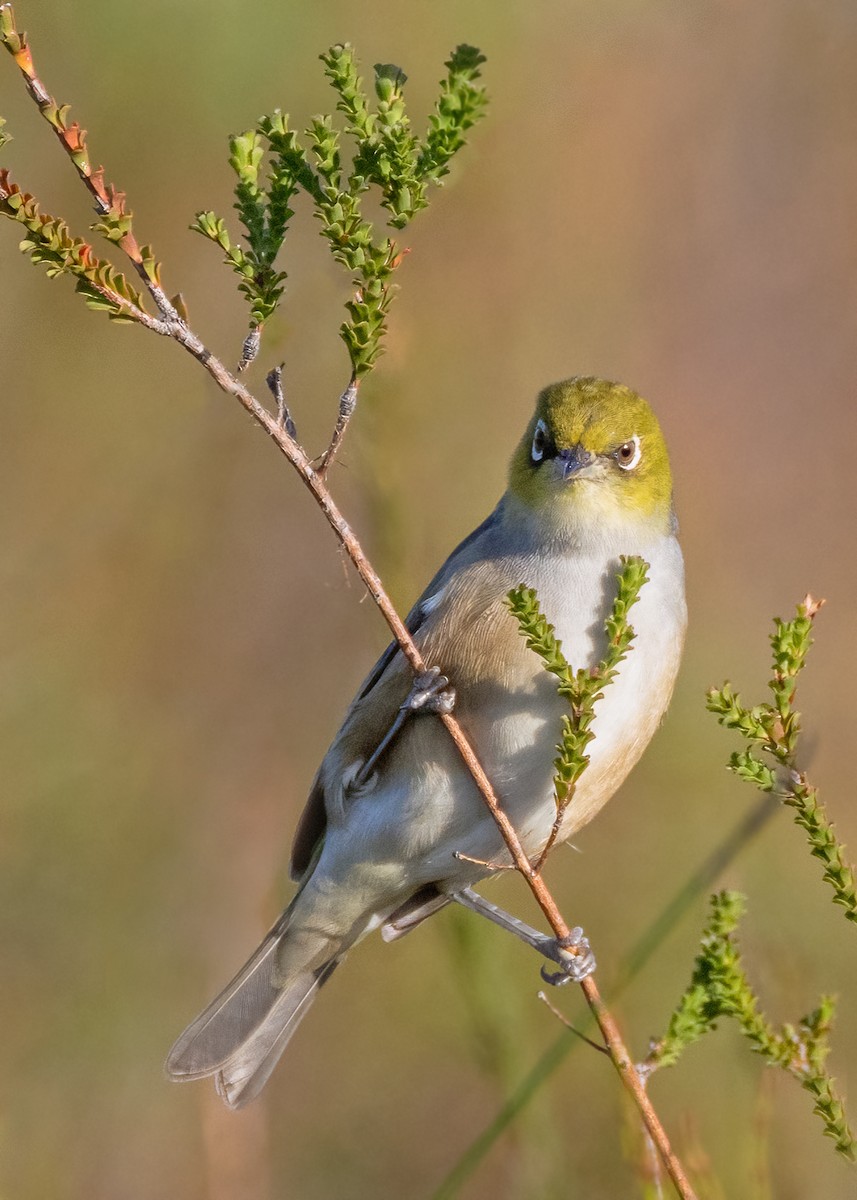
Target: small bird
x,y
394,827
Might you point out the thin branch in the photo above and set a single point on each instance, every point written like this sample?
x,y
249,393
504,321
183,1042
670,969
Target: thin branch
x,y
482,862
571,1028
316,485
347,405
274,380
111,205
555,830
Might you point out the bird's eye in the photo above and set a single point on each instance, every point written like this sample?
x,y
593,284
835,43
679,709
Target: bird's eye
x,y
540,441
629,454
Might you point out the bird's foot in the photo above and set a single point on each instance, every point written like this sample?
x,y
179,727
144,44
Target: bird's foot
x,y
574,957
430,693
571,954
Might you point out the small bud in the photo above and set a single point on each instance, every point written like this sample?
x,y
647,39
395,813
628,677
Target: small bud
x,y
250,348
389,81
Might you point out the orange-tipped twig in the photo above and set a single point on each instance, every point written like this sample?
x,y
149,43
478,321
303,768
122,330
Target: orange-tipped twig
x,y
115,221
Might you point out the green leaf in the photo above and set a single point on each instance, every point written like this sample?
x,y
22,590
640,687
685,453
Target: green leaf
x,y
774,730
749,767
584,687
719,988
461,103
50,243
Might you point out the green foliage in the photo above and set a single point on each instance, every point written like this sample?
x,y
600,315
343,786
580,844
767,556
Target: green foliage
x,y
4,136
773,729
271,166
809,814
726,703
264,214
585,687
386,155
460,105
49,241
719,988
749,767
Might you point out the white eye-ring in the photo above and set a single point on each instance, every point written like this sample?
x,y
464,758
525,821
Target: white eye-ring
x,y
540,441
628,455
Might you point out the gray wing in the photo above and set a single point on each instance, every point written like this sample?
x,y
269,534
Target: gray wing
x,y
313,820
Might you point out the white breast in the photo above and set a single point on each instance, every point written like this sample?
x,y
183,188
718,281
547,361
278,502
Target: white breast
x,y
575,591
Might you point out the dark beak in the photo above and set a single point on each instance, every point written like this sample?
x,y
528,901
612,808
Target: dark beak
x,y
572,461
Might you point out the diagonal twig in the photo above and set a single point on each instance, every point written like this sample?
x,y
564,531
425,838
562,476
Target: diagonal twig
x,y
347,405
117,226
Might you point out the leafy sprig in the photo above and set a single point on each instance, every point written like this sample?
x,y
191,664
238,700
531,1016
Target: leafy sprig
x,y
584,687
386,155
460,105
271,166
769,763
52,244
48,241
719,988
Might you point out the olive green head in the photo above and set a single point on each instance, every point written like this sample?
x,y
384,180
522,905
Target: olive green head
x,y
594,450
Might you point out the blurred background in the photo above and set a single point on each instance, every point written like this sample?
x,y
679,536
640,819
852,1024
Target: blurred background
x,y
663,193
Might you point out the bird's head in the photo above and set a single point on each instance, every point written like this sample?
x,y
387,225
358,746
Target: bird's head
x,y
594,452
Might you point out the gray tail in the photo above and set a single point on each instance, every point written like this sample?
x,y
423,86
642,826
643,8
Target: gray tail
x,y
241,1035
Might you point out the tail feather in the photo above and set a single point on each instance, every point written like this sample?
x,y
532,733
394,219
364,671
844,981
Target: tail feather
x,y
242,1077
242,1033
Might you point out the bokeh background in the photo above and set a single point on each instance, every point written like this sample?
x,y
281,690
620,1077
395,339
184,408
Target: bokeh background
x,y
663,193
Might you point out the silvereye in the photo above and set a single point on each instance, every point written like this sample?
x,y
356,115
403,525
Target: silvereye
x,y
394,827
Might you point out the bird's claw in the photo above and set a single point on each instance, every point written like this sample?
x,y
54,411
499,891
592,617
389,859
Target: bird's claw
x,y
430,692
575,959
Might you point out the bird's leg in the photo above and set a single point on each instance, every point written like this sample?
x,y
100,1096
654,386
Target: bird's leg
x,y
572,953
430,692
